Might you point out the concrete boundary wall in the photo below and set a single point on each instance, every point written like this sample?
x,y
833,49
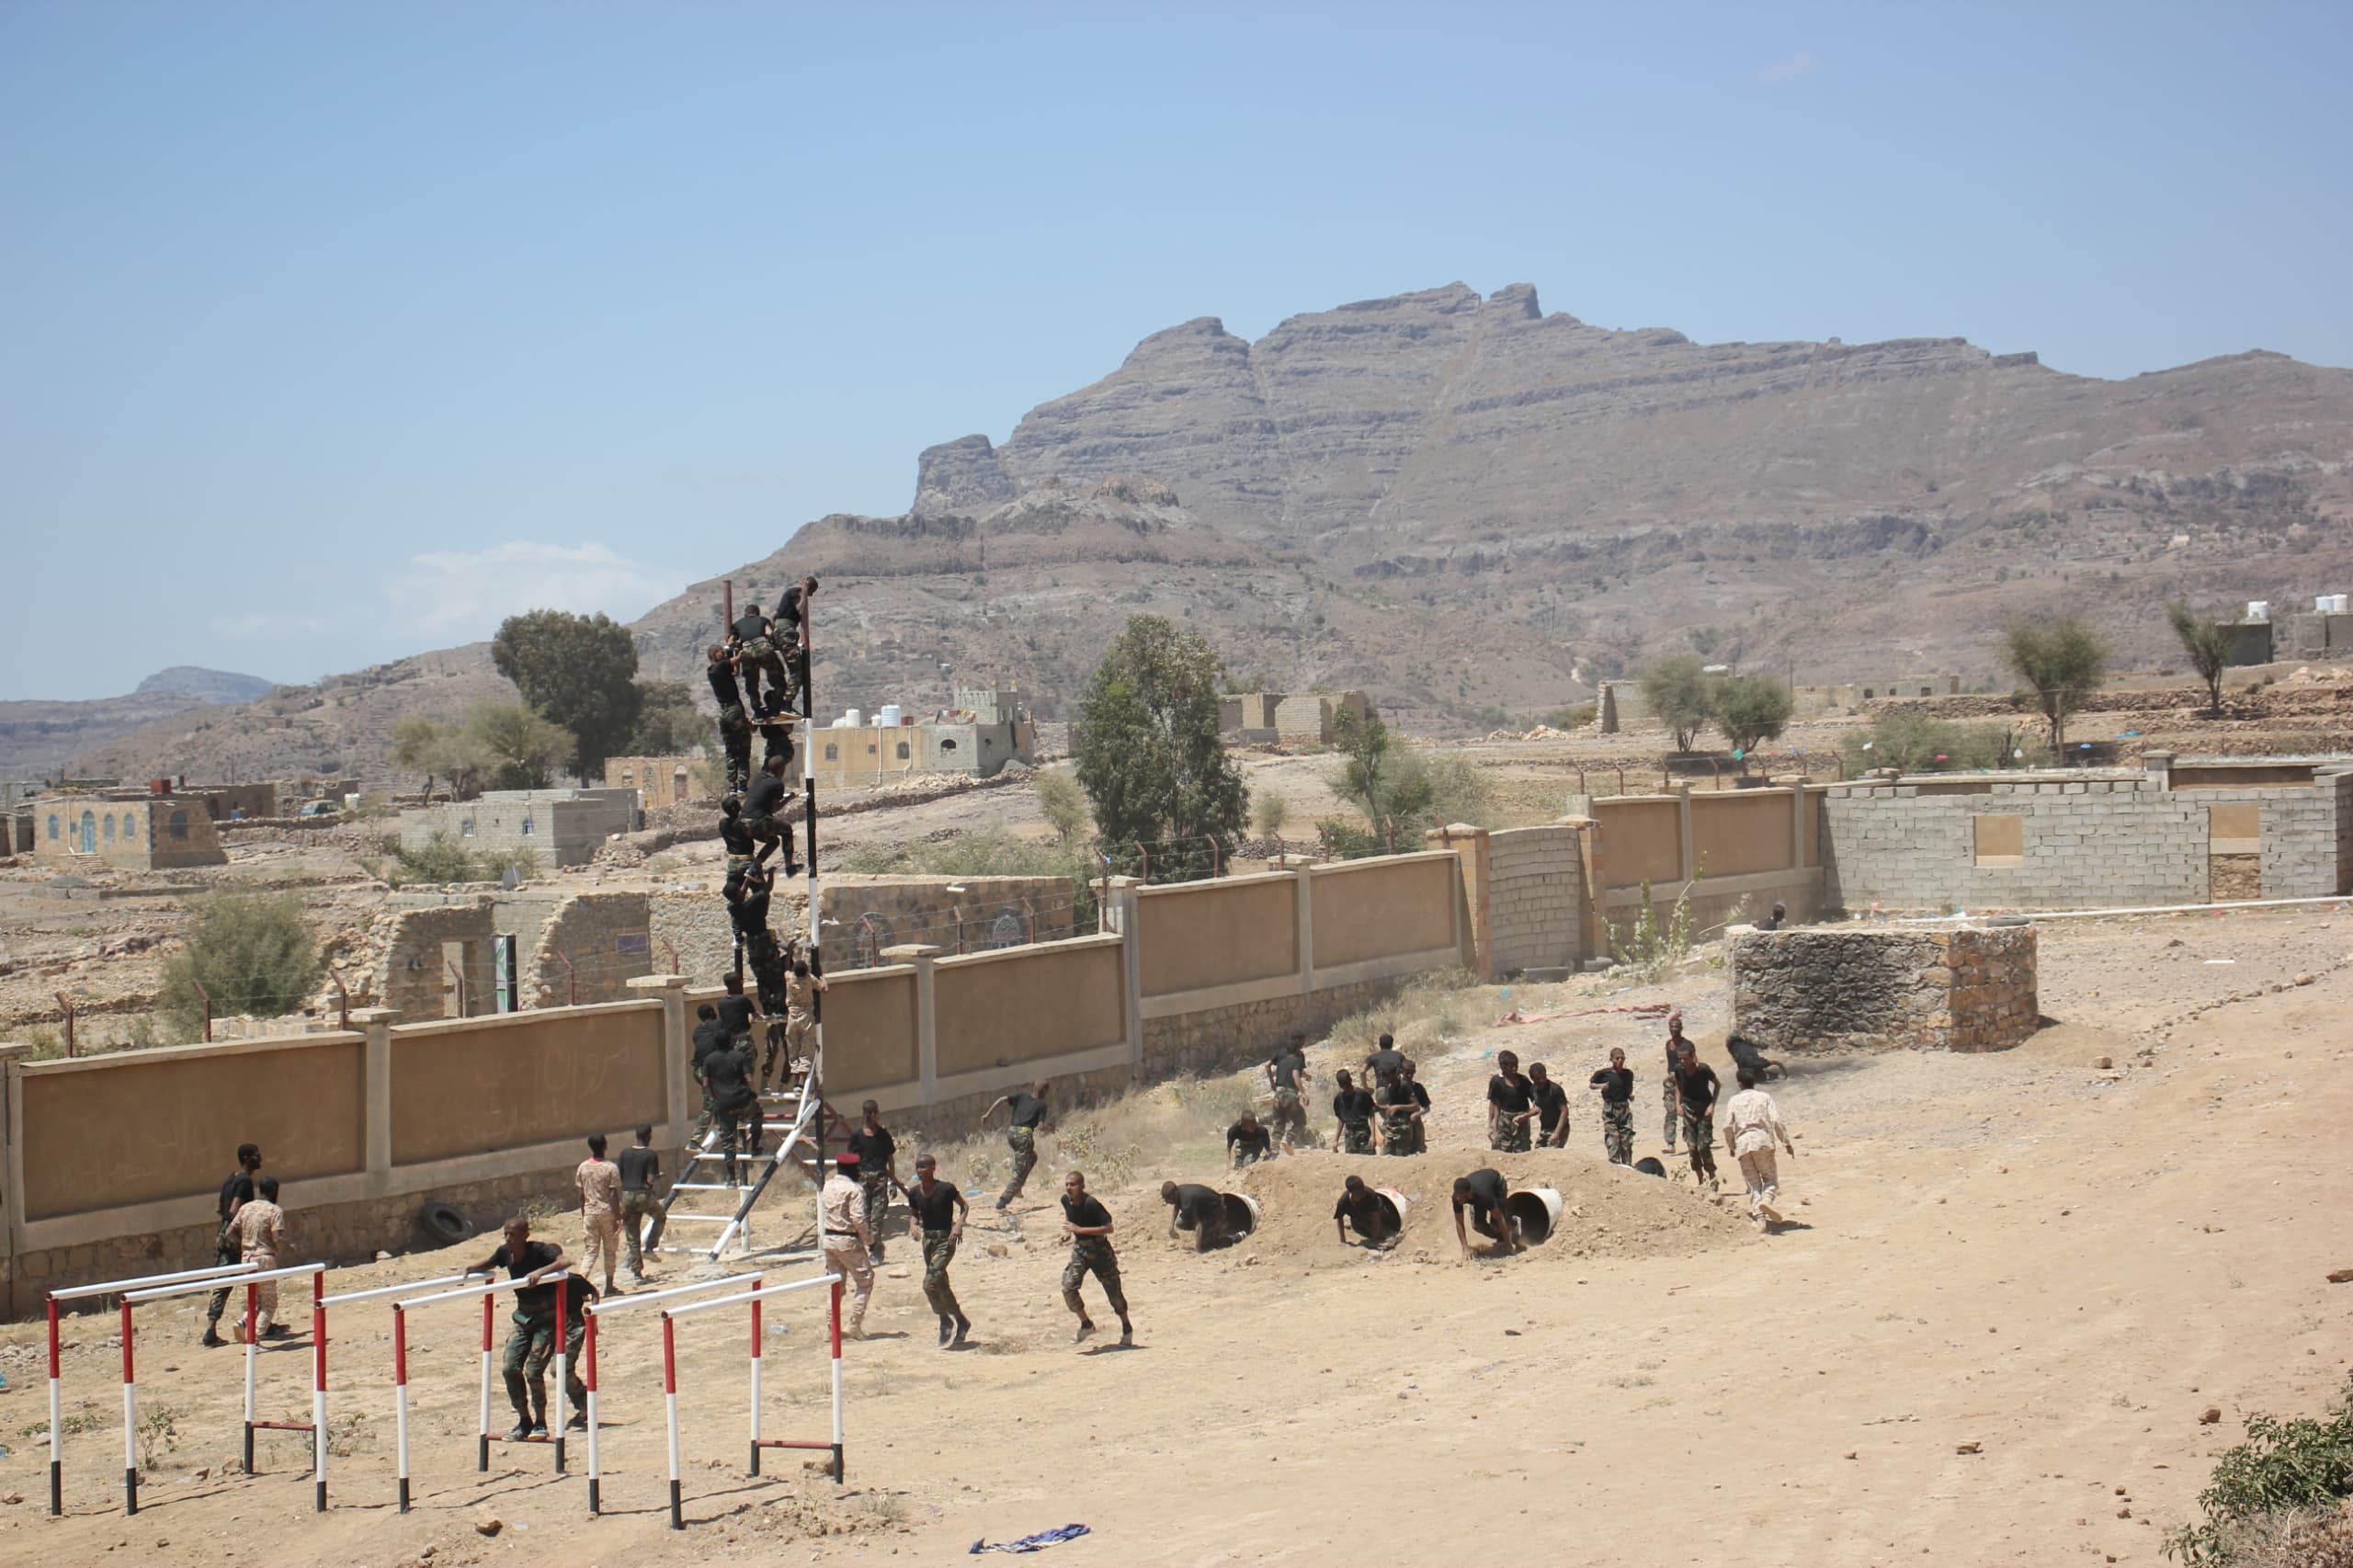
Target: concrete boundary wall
x,y
366,1127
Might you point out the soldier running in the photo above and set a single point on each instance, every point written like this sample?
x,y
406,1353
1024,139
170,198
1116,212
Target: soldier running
x,y
531,1344
640,1168
1287,1076
1511,1103
935,1213
1673,1045
1616,1083
1696,1086
1752,1125
1089,1225
1025,1115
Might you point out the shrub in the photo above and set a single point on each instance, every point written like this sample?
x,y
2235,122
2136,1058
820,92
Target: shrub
x,y
1273,810
252,953
1064,802
2283,1468
988,851
444,859
1918,744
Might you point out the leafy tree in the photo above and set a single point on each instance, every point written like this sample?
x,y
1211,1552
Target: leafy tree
x,y
521,749
1388,781
251,953
420,745
1678,691
2209,647
1149,755
1459,788
580,670
1064,804
1915,743
1751,709
1273,810
2060,660
667,724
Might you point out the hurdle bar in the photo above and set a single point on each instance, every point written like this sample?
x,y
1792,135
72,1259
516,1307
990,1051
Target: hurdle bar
x,y
319,1329
670,1377
130,1373
317,1424
218,1274
588,1361
483,1437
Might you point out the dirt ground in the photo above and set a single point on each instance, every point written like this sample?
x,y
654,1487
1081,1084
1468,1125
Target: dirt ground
x,y
2054,1267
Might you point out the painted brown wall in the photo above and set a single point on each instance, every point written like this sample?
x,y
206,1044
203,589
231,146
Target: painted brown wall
x,y
184,1111
529,1078
1379,909
1734,835
1215,933
870,1022
1640,840
1028,1002
2244,822
2239,775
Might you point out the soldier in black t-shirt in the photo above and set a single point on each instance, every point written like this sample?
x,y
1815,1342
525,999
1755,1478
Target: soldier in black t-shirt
x,y
532,1344
1352,1108
1247,1142
1089,1225
1366,1209
734,723
1401,1114
1383,1061
878,1168
1616,1083
764,806
235,1193
1695,1086
1197,1209
757,656
1025,1117
936,1214
1511,1105
640,1168
1483,1192
1287,1076
734,1104
1422,1099
1551,1108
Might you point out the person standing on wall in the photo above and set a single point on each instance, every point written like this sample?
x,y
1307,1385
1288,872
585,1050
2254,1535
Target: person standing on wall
x,y
878,1168
1616,1083
235,1192
1511,1105
1696,1087
1025,1118
599,1184
935,1213
1752,1125
1089,1225
640,1167
848,1240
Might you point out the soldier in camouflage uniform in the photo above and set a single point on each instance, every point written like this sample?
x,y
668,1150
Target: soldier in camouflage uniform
x,y
878,1167
935,1213
1024,1112
734,725
1352,1108
1694,1103
533,1266
756,657
1089,1225
1401,1119
1511,1105
1616,1083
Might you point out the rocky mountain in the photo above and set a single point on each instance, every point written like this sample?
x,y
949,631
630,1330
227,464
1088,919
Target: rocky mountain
x,y
1472,509
206,685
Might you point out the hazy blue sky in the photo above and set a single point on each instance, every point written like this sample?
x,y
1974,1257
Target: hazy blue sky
x,y
331,333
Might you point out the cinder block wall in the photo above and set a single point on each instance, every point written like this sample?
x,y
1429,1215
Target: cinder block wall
x,y
2085,844
1535,899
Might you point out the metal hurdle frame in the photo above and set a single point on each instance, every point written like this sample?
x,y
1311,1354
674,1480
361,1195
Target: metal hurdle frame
x,y
597,1310
317,1424
347,1298
670,1377
215,1277
483,1437
250,1277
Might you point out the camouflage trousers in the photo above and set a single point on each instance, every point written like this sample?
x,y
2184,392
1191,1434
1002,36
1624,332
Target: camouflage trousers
x,y
1356,1137
1289,1117
876,1185
1398,1133
530,1349
1023,1141
1093,1255
638,1206
226,1249
938,1252
1510,1136
1700,1137
1618,1130
757,659
736,740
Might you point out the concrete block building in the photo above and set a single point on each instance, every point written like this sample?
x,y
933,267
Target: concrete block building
x,y
126,832
658,780
1276,718
564,827
986,729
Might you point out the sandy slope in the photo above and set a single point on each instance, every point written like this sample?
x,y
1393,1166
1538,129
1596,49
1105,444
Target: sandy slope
x,y
2062,1265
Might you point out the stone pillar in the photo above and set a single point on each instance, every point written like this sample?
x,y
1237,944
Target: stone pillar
x,y
12,1173
2160,766
1476,908
1303,906
376,1024
1797,826
926,958
678,1051
1683,829
1121,918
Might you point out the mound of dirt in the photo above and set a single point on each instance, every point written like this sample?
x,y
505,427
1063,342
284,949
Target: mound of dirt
x,y
1606,1211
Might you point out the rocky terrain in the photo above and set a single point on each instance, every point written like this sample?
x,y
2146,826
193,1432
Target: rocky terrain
x,y
1474,510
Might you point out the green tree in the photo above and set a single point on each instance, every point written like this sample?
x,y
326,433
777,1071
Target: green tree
x,y
2060,660
1386,779
1064,802
579,671
2208,643
1273,810
420,745
1148,752
1751,709
1677,690
522,750
667,724
251,953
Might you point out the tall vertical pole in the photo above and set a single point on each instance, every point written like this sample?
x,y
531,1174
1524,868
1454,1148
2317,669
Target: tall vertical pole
x,y
670,1410
834,1317
814,1085
318,1391
562,1391
588,1376
755,1385
251,1338
400,1397
130,1420
56,1422
482,1441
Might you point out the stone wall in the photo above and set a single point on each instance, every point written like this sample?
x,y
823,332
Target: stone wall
x,y
605,938
2081,843
564,827
869,915
408,970
1970,989
1535,899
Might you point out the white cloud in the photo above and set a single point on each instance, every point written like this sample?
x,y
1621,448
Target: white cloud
x,y
269,624
1802,63
462,595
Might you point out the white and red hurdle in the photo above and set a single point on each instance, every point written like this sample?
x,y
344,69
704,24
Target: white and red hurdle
x,y
484,1436
670,1316
598,1312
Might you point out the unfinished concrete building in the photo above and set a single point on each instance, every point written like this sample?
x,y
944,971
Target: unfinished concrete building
x,y
128,831
562,828
1276,718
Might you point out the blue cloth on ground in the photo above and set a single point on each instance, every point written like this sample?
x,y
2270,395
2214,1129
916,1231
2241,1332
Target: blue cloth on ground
x,y
1038,1542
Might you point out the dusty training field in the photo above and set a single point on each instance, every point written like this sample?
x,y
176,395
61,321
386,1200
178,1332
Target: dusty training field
x,y
2011,1287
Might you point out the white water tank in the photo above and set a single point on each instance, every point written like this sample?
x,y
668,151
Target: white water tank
x,y
2258,609
852,718
2324,603
889,717
2337,603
